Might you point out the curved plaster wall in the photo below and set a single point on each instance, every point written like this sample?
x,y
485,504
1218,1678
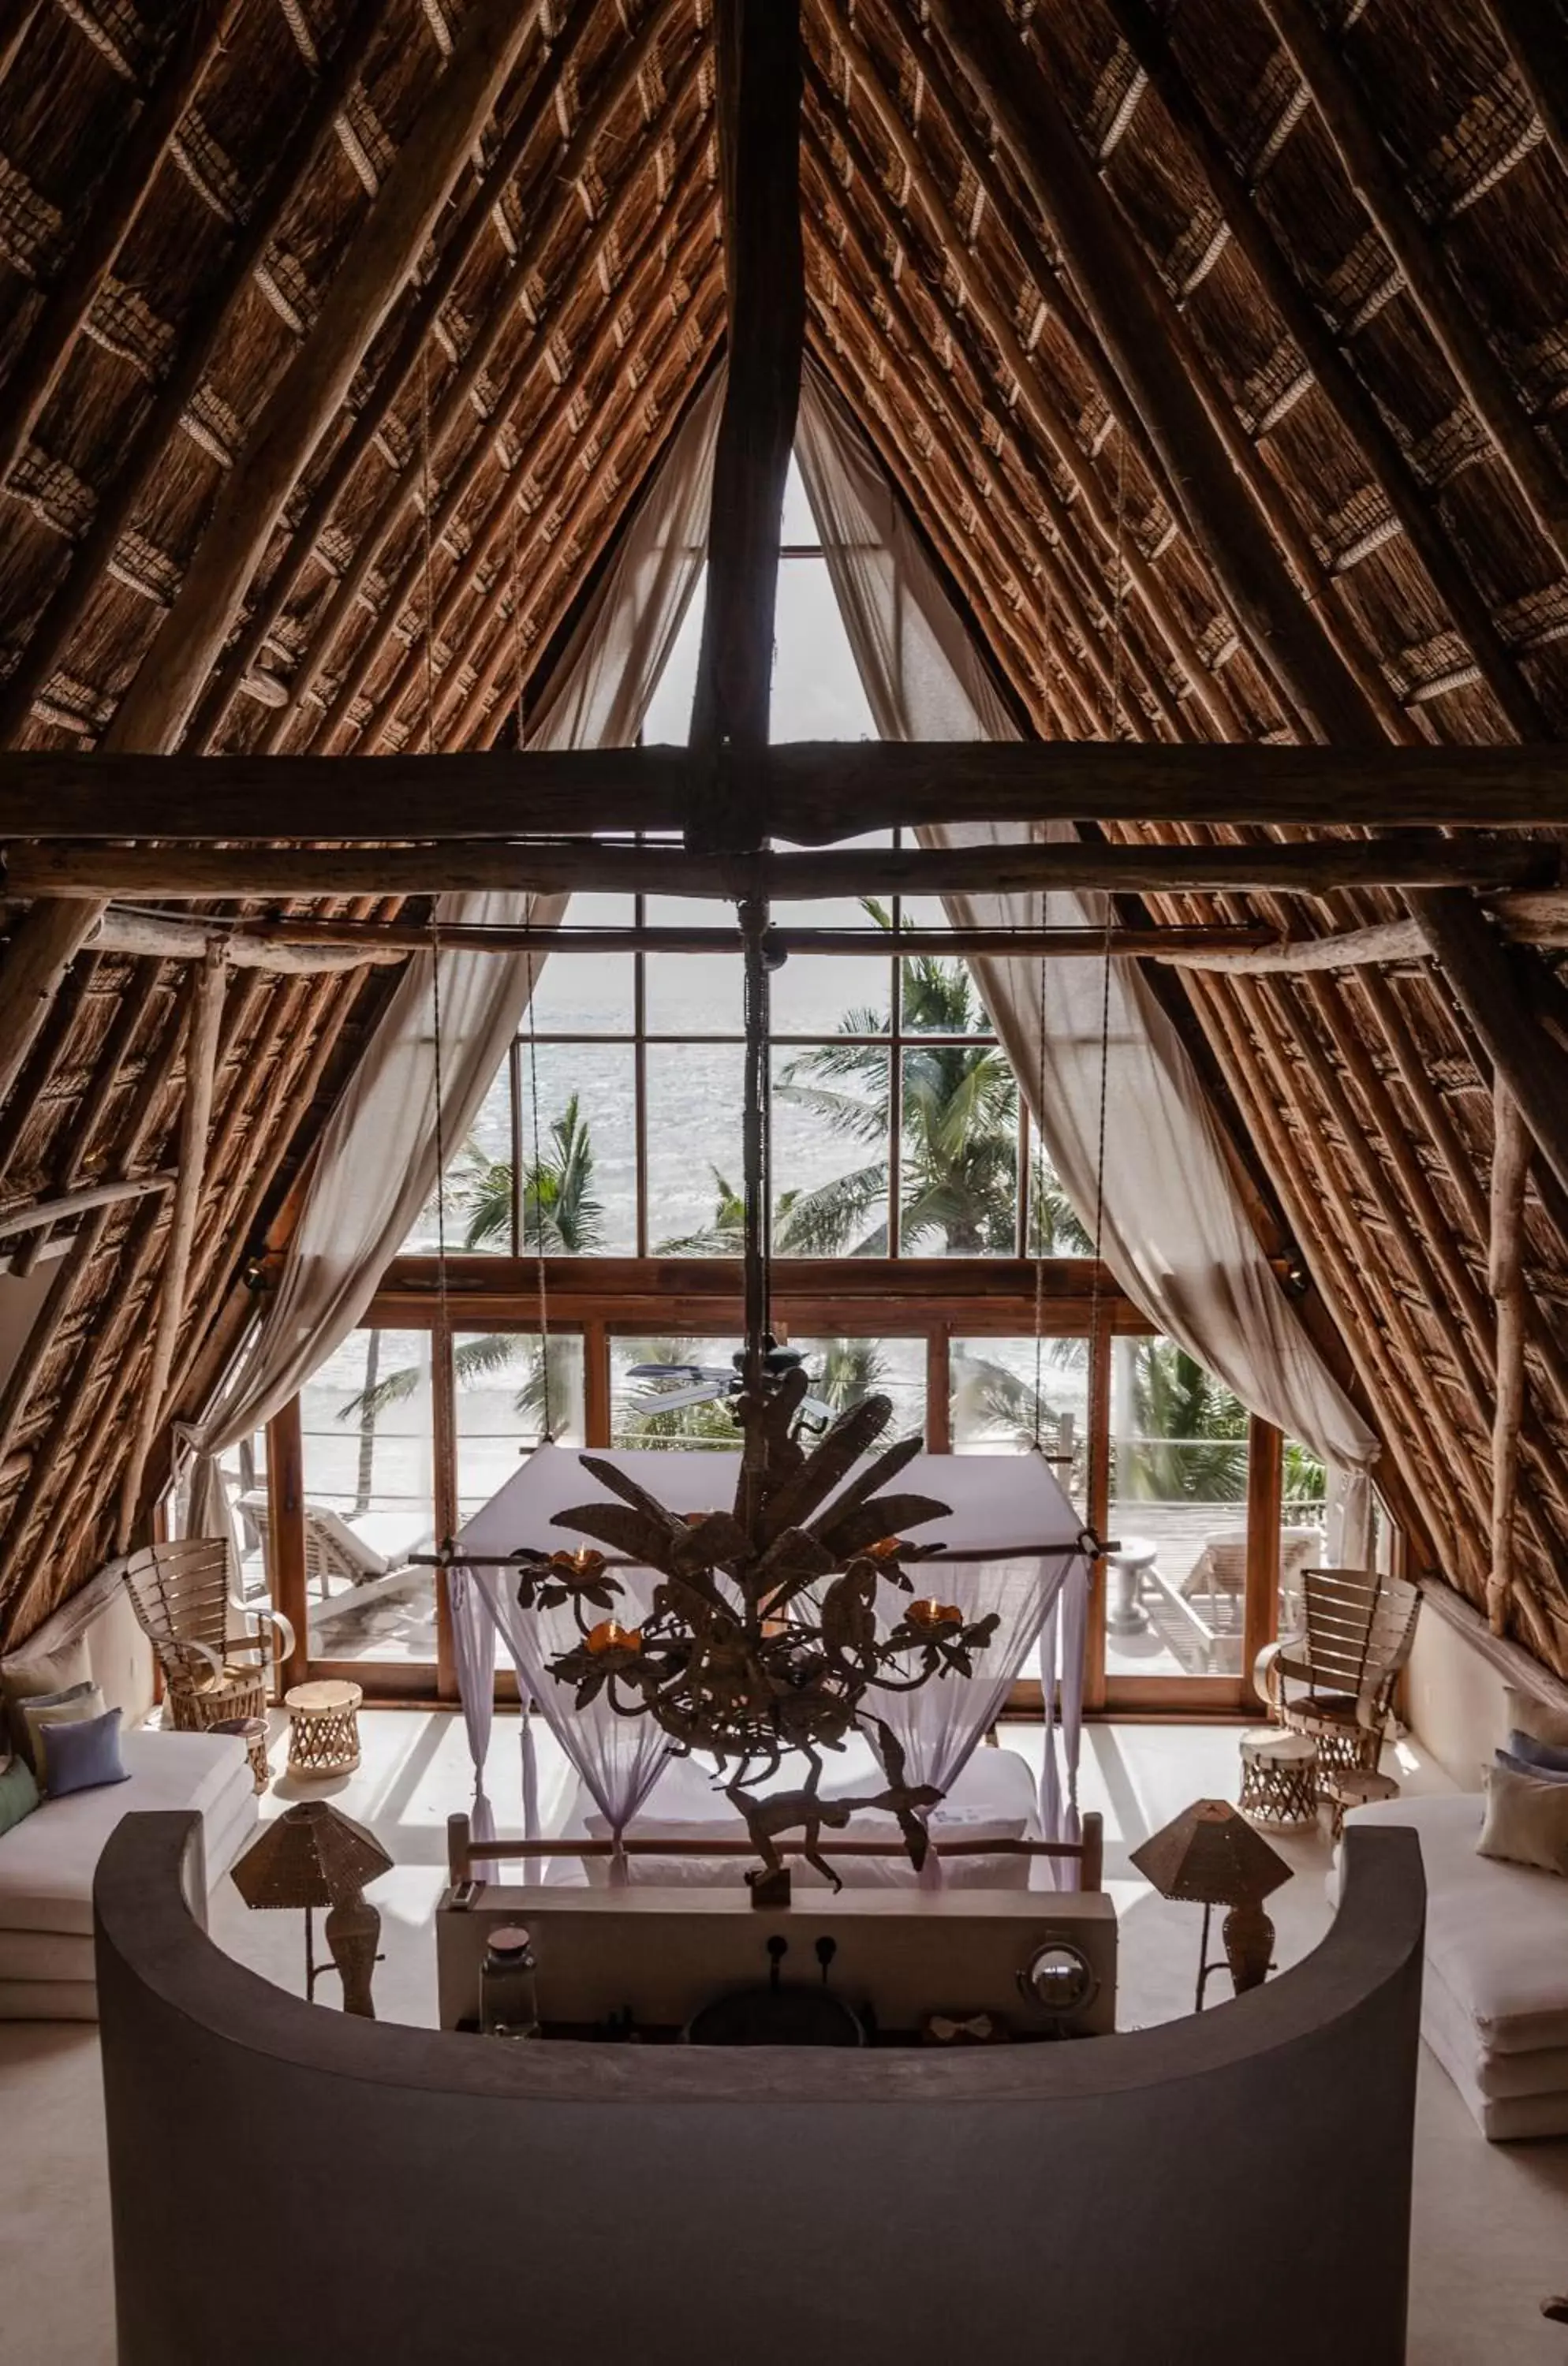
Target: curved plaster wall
x,y
290,2184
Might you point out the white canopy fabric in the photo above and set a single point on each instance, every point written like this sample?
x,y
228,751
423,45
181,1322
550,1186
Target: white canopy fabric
x,y
1008,1509
1105,1074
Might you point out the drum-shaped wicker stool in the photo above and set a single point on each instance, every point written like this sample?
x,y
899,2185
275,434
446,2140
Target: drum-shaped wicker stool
x,y
1279,1779
323,1730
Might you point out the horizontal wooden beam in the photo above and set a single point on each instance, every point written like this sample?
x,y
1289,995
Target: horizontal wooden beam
x,y
386,940
153,937
813,792
1308,867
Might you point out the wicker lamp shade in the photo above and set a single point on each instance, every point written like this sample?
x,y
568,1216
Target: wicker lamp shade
x,y
311,1856
1212,1856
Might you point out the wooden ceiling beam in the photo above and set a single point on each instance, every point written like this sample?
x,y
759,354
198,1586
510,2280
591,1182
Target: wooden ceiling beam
x,y
200,333
1040,557
651,418
454,407
1143,579
1041,671
659,325
1443,306
1149,41
761,95
1304,867
816,789
476,207
113,212
311,393
1540,56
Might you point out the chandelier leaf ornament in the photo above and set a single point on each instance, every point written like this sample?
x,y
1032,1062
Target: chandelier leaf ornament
x,y
764,1638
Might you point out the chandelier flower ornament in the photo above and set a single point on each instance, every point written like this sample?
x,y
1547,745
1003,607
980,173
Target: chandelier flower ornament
x,y
764,1637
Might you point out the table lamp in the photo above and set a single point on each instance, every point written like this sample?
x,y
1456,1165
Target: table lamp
x,y
315,1855
1211,1855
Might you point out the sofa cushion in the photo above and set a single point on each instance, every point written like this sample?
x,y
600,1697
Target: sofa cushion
x,y
1497,1935
69,1707
32,1673
19,1793
47,1864
84,1755
1526,1819
1528,1714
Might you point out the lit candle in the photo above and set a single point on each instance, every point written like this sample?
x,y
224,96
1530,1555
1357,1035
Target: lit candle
x,y
583,1564
932,1616
611,1636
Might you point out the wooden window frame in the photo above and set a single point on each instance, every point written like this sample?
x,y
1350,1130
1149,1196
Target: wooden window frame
x,y
934,1299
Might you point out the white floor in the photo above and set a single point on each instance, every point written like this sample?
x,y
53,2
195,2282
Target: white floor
x,y
1491,2231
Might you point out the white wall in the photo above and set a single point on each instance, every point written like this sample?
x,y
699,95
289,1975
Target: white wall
x,y
1455,1700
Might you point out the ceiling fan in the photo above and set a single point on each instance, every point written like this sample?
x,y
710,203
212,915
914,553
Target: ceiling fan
x,y
673,1386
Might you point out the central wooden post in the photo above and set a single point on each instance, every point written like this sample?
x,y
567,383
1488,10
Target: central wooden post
x,y
759,88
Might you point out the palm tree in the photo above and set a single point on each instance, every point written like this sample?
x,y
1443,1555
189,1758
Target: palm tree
x,y
561,1214
1188,1442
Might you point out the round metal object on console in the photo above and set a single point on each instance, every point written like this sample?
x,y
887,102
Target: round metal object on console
x,y
1060,1978
323,1730
1279,1779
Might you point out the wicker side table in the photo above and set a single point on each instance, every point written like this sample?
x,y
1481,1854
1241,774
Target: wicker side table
x,y
323,1730
1279,1779
1340,1788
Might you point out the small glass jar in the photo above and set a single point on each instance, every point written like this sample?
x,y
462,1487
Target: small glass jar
x,y
509,1999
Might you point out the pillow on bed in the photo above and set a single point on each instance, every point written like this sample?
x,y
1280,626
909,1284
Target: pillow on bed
x,y
18,1793
1540,1757
76,1702
84,1755
1526,1821
1536,1718
1516,1764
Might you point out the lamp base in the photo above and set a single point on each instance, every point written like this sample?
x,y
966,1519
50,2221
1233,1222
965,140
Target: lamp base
x,y
1248,1936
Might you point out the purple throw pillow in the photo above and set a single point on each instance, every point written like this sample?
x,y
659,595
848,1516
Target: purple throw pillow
x,y
85,1756
1540,1757
1527,1766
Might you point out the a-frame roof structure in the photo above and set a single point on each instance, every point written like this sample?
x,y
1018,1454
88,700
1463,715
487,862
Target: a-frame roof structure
x,y
1218,349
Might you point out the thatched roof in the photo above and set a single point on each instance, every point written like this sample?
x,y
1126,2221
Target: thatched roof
x,y
1350,231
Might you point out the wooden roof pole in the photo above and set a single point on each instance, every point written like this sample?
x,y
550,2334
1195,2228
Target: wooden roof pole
x,y
454,403
1319,866
45,644
1510,1167
15,24
1059,175
490,545
313,391
484,446
1321,590
680,355
1454,584
759,100
1043,675
43,945
644,434
1536,47
474,210
208,984
1143,579
1354,135
989,502
1040,553
114,209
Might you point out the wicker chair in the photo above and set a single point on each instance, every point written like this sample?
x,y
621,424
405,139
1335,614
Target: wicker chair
x,y
184,1601
1335,1682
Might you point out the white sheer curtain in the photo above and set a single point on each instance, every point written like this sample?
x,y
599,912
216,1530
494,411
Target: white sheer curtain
x,y
1173,1228
376,1164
